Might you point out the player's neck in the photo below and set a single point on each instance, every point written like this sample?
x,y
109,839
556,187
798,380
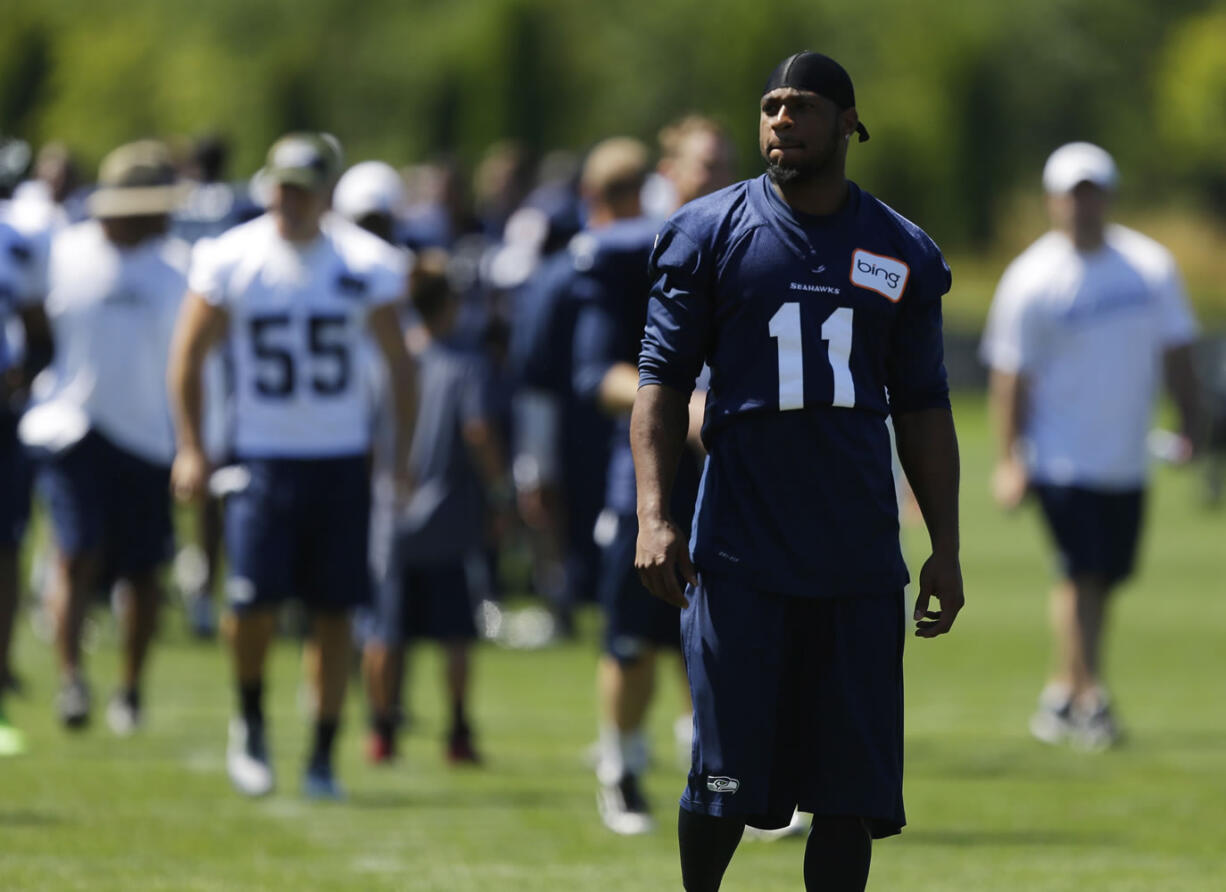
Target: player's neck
x,y
300,234
820,195
1086,240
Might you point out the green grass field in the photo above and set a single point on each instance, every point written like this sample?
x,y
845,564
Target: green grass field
x,y
989,808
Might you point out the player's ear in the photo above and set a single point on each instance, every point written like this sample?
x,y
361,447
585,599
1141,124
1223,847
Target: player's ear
x,y
849,120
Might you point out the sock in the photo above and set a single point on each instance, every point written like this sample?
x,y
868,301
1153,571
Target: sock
x,y
837,854
609,765
707,844
459,721
325,739
251,702
384,725
621,752
634,753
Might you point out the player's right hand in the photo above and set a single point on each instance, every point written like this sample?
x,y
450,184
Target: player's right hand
x,y
1009,483
662,554
189,475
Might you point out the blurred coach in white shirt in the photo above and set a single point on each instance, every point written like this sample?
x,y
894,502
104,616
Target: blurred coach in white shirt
x,y
1083,327
114,287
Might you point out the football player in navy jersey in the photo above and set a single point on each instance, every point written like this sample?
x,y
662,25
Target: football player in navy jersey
x,y
817,309
611,285
22,289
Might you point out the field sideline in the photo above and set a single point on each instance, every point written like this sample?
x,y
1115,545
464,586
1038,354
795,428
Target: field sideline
x,y
989,809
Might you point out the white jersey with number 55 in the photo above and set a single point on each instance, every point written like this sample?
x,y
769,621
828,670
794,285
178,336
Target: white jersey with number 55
x,y
298,317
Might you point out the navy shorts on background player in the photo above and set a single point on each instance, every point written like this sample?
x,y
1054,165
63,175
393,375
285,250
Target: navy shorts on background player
x,y
634,619
102,497
798,703
1096,532
300,529
425,601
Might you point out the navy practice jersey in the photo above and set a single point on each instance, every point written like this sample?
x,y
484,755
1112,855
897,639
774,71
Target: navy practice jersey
x,y
22,283
542,327
614,283
816,329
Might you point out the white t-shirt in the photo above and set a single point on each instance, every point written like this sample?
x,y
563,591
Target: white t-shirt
x,y
112,313
298,316
1088,332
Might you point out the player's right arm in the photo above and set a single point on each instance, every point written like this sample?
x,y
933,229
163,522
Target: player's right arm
x,y
659,424
679,320
200,326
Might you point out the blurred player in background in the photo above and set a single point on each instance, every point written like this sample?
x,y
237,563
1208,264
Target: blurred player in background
x,y
817,309
457,467
210,207
212,203
22,289
560,441
612,287
371,195
114,287
293,293
1082,328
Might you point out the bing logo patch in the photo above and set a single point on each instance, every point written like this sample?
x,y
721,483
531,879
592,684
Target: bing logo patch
x,y
885,275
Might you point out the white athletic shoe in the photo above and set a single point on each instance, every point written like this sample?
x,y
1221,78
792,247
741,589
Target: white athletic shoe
x,y
1096,727
73,703
623,809
122,717
798,826
247,760
1053,721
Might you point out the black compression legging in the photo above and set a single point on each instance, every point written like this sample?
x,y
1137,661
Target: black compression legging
x,y
837,854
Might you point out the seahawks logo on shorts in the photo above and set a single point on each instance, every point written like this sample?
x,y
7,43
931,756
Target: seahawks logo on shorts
x,y
723,784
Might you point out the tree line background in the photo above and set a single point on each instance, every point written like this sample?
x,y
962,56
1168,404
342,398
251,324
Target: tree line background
x,y
964,100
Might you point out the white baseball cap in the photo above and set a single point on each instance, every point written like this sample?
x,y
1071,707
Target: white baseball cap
x,y
1079,162
369,187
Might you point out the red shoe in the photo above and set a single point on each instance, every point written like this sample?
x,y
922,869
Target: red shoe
x,y
380,748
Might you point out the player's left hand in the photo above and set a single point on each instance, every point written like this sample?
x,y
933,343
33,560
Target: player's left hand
x,y
940,578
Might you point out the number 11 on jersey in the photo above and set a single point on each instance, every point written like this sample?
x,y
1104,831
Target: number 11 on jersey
x,y
837,332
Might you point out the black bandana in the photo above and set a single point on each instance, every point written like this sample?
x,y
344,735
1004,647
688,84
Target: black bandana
x,y
818,74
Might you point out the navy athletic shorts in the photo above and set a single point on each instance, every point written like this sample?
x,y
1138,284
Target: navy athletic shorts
x,y
635,620
15,482
300,529
425,601
103,498
798,702
1095,531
